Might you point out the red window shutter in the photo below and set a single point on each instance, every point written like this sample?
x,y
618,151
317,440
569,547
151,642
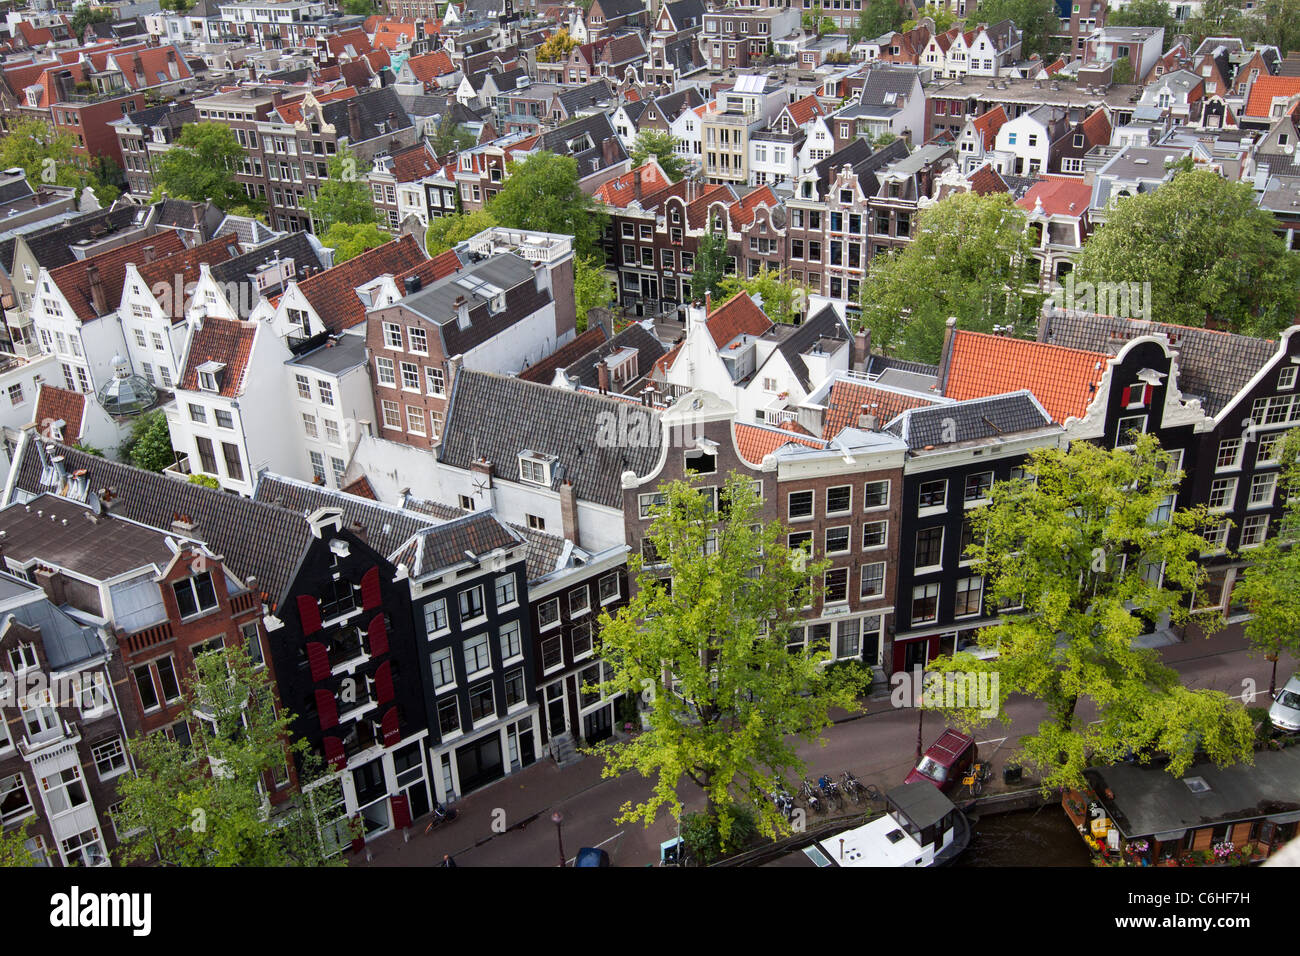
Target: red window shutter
x,y
1124,396
334,754
392,732
401,812
328,709
384,683
1146,396
308,614
319,659
370,597
377,636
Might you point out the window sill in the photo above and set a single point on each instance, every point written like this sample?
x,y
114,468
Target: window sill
x,y
931,510
554,669
928,569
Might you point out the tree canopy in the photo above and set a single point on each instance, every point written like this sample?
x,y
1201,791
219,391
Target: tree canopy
x,y
1144,13
204,803
784,300
150,444
542,193
446,231
1082,544
1036,19
707,653
943,18
592,289
344,197
1208,251
877,18
49,158
349,240
556,46
201,167
971,258
450,137
662,146
710,265
86,14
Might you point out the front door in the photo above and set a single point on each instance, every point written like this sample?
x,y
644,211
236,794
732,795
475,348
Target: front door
x,y
555,722
599,724
915,654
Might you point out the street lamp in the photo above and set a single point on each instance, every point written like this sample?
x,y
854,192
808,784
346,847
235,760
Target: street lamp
x,y
558,819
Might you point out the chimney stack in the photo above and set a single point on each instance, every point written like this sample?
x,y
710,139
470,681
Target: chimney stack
x,y
602,376
98,300
569,512
148,254
636,179
354,122
862,349
946,360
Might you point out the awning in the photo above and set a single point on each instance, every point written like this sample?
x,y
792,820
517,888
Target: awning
x,y
1291,817
1169,835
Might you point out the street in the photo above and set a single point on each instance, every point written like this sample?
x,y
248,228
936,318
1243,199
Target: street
x,y
509,823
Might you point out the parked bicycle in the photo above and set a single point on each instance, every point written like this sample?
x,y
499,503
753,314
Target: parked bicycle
x,y
783,802
809,794
831,791
980,771
850,785
441,815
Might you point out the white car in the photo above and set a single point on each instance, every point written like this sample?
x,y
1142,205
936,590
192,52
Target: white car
x,y
1285,712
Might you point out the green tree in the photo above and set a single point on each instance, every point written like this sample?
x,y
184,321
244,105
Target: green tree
x,y
1075,543
344,197
201,166
1036,19
13,847
542,193
1144,13
357,8
710,264
348,240
150,444
726,698
48,156
1121,71
1270,586
446,231
1276,23
556,47
1208,251
943,18
783,299
877,18
662,146
199,804
1220,18
450,137
176,6
971,258
85,15
207,481
591,288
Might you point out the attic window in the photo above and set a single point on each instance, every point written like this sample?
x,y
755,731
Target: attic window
x,y
701,462
210,376
535,468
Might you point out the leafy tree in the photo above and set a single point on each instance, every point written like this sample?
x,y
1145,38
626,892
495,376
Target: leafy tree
x,y
1144,13
207,481
943,18
446,231
591,288
200,804
1208,251
13,847
344,197
1220,18
1036,19
877,18
542,193
883,139
357,8
1270,586
1276,23
662,146
85,15
450,137
726,698
1121,71
710,264
201,166
783,299
971,258
150,444
556,47
1075,542
176,6
348,241
89,449
48,157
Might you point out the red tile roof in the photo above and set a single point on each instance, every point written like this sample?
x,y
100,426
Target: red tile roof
x,y
431,270
1264,89
361,488
621,191
739,315
356,38
59,404
1060,378
177,271
228,341
987,125
1059,195
985,181
1096,128
427,66
73,279
665,361
742,212
332,293
414,163
802,111
755,442
845,404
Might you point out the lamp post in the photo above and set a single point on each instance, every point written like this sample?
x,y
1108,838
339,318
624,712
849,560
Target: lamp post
x,y
558,819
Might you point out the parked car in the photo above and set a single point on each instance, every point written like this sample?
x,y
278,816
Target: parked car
x,y
1285,712
591,856
946,762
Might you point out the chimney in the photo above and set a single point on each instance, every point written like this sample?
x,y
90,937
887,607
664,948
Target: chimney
x,y
609,150
183,524
354,122
453,367
411,284
392,122
482,470
946,360
462,312
695,314
862,349
541,276
53,584
98,300
602,376
197,211
148,254
636,180
252,71
569,512
867,418
708,304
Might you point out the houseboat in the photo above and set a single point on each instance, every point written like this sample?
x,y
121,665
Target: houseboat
x,y
920,827
1211,815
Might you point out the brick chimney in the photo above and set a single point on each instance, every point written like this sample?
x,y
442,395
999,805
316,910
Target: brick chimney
x,y
636,181
609,150
98,300
602,376
569,512
862,349
354,122
53,584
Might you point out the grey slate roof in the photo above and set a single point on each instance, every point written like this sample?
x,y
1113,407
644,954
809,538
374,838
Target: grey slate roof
x,y
496,417
825,324
51,246
582,97
294,245
66,642
972,420
648,350
435,549
1212,366
373,108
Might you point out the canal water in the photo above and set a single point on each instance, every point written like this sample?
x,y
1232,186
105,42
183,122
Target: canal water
x,y
1042,837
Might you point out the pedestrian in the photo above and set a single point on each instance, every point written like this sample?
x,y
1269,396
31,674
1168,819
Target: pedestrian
x,y
447,860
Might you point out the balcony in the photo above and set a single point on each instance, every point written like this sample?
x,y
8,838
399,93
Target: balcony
x,y
179,470
47,741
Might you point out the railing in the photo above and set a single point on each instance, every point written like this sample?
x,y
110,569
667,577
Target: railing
x,y
149,637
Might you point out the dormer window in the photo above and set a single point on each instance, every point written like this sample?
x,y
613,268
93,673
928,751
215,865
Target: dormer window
x,y
536,468
210,376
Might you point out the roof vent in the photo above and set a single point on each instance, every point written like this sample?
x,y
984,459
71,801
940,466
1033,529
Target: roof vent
x,y
1197,784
